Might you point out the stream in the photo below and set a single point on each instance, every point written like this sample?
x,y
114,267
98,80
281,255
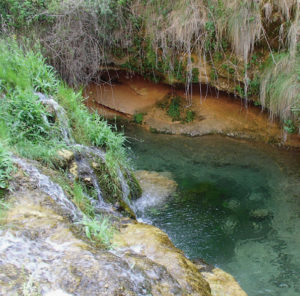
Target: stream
x,y
237,205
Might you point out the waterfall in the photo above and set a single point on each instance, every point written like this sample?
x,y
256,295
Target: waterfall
x,y
52,189
61,116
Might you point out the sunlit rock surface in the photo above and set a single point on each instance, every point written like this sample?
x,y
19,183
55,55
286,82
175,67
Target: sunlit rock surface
x,y
157,187
149,241
221,282
40,250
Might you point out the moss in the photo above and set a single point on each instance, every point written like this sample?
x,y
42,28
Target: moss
x,y
135,188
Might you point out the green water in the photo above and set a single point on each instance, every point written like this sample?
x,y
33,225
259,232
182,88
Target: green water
x,y
237,206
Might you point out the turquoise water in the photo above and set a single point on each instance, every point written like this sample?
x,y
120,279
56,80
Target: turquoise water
x,y
237,206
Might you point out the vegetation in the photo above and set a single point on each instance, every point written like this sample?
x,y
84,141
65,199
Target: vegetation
x,y
163,40
33,130
189,116
280,88
138,118
174,108
6,167
98,229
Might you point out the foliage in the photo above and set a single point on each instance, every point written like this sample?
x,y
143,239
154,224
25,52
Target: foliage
x,y
174,108
98,229
81,200
289,126
18,13
27,124
6,167
90,128
138,118
189,116
280,87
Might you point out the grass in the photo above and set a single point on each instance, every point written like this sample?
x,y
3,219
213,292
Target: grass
x,y
80,198
6,167
280,87
98,229
32,130
26,123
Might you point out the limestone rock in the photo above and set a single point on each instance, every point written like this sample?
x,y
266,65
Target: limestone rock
x,y
221,282
64,159
156,188
37,242
151,242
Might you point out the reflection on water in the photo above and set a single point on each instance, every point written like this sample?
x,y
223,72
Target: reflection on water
x,y
237,206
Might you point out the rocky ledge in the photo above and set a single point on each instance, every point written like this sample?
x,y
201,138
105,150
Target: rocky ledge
x,y
45,252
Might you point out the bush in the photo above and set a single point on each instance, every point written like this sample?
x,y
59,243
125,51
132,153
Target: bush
x,y
138,118
174,109
6,167
190,116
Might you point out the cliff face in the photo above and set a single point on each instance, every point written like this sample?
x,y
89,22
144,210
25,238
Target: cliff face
x,y
249,48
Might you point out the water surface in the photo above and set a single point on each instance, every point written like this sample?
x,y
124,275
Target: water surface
x,y
237,206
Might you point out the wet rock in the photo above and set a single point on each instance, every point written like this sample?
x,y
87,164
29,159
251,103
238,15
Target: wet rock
x,y
64,158
221,282
74,170
260,214
156,188
38,243
151,242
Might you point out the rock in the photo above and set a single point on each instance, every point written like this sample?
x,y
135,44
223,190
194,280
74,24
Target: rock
x,y
154,244
221,282
58,293
64,158
74,170
156,188
37,242
260,214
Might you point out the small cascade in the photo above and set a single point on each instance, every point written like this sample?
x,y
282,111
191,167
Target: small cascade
x,y
126,191
86,172
61,117
52,189
84,157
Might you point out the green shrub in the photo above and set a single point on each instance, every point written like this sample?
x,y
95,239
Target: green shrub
x,y
190,116
289,126
6,167
98,229
174,109
138,118
19,13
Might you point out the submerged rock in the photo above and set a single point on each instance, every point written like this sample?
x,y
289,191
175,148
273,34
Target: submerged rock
x,y
260,214
156,188
221,282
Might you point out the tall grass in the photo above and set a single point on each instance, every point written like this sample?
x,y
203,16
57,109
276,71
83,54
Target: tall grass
x,y
26,122
6,167
280,87
99,229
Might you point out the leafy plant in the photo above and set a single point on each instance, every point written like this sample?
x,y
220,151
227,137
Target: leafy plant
x,y
82,201
6,167
138,118
189,116
98,229
174,109
289,126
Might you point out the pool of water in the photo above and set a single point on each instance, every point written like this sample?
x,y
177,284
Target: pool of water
x,y
237,206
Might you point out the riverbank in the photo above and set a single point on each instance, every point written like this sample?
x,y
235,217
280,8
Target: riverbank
x,y
214,112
